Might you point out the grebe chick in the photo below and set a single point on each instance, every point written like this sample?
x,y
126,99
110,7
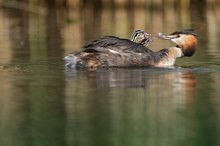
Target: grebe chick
x,y
141,37
112,51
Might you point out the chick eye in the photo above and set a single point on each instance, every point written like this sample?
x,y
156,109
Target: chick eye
x,y
140,34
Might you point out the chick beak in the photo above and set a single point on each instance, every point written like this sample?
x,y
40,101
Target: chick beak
x,y
147,35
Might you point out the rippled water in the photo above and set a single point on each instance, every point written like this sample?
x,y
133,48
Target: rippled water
x,y
42,103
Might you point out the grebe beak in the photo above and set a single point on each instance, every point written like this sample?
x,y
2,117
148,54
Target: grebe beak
x,y
167,37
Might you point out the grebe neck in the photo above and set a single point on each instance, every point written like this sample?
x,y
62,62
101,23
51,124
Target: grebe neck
x,y
167,57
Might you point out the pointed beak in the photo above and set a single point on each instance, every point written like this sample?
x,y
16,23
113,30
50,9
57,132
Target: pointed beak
x,y
167,37
147,34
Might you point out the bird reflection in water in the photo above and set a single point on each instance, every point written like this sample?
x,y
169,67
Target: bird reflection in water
x,y
153,80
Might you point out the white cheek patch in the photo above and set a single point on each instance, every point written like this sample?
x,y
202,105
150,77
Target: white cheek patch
x,y
180,40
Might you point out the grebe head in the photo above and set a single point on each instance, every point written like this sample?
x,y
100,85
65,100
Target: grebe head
x,y
185,39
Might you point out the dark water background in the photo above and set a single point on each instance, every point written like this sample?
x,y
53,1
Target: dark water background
x,y
42,104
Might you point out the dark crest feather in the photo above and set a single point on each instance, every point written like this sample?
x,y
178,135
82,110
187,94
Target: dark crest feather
x,y
185,31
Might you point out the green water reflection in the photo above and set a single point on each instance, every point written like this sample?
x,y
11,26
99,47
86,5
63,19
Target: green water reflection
x,y
155,108
32,110
43,104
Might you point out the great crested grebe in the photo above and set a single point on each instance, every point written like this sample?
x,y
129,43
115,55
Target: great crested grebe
x,y
112,51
